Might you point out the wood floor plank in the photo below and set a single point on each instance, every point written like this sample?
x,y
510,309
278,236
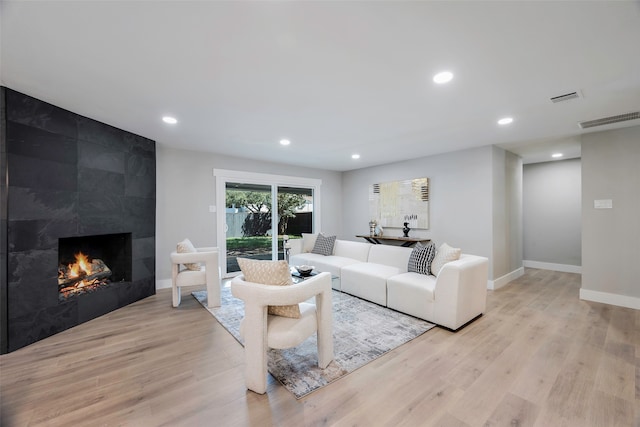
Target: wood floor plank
x,y
538,356
513,411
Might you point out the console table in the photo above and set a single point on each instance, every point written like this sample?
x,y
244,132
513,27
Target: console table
x,y
380,240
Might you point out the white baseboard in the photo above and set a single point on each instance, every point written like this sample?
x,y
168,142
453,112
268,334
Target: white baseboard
x,y
163,284
502,281
566,268
608,298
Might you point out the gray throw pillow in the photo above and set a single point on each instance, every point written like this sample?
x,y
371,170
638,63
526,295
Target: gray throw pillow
x,y
324,245
421,258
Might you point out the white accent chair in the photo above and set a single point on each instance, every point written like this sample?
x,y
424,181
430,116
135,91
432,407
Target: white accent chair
x,y
209,274
261,330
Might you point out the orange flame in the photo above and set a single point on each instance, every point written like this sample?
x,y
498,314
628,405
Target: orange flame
x,y
82,264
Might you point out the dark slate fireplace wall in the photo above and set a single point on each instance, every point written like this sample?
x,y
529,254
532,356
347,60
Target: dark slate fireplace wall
x,y
68,176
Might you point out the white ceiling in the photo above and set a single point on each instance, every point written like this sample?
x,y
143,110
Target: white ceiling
x,y
334,77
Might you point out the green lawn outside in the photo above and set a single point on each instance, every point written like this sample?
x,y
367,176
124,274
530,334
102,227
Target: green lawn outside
x,y
253,243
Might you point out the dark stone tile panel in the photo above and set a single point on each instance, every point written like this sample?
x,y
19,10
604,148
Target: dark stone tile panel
x,y
140,176
141,165
140,216
39,234
139,144
98,303
35,266
26,297
132,292
31,172
41,324
96,156
89,225
32,142
27,203
102,134
143,247
143,268
32,112
137,186
100,205
100,182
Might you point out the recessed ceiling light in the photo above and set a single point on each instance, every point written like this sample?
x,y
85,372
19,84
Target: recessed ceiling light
x,y
285,142
355,156
556,155
170,120
443,77
505,121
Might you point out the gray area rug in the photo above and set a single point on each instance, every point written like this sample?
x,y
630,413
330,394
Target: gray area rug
x,y
362,332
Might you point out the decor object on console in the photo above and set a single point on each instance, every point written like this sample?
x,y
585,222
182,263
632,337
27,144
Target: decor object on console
x,y
194,274
379,273
261,331
394,203
406,229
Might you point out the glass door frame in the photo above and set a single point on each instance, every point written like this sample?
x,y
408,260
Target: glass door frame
x,y
222,176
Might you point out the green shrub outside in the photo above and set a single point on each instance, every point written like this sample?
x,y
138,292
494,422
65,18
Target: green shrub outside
x,y
253,243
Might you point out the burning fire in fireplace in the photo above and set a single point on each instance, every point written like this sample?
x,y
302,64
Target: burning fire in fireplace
x,y
84,275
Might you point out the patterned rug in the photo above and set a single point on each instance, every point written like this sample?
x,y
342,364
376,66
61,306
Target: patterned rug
x,y
362,332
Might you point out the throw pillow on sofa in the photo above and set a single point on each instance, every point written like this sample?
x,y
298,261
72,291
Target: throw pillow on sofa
x,y
275,273
308,242
324,245
444,255
421,258
186,247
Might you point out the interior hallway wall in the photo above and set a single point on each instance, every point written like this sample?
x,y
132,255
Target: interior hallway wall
x,y
611,237
552,215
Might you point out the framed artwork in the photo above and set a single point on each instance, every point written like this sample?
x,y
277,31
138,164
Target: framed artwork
x,y
392,204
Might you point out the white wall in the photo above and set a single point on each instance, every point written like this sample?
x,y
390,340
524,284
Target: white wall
x,y
611,237
461,201
552,215
186,189
507,216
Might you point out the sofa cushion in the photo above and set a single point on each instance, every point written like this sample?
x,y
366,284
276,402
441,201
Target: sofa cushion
x,y
368,280
421,258
411,284
394,256
186,247
275,273
358,251
308,241
324,245
444,255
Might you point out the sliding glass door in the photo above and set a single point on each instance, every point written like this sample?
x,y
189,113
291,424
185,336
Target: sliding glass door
x,y
295,214
248,222
260,213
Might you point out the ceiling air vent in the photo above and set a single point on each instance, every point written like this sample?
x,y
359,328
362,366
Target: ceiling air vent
x,y
565,97
609,120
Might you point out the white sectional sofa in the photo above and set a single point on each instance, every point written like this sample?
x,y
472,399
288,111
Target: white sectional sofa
x,y
378,273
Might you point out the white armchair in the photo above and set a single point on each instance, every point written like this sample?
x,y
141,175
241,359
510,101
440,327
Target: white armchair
x,y
208,274
261,330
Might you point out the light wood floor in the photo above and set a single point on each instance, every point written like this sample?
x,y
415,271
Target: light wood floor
x,y
538,357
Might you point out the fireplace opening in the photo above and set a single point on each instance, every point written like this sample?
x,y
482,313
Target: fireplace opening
x,y
89,263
